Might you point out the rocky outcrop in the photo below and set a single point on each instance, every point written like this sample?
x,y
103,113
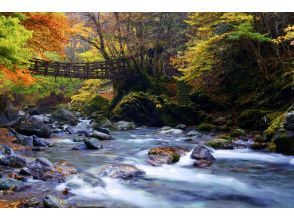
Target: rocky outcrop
x,y
122,171
65,116
203,156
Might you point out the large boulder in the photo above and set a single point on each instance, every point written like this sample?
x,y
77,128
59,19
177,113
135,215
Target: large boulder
x,y
66,116
123,171
165,155
92,144
284,141
28,126
123,126
203,156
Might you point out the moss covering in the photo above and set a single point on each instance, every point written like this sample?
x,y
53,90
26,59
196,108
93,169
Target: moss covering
x,y
219,143
237,133
275,124
206,127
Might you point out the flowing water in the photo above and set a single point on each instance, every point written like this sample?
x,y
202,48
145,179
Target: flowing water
x,y
238,178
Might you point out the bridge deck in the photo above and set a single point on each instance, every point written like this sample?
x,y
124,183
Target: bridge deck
x,y
114,69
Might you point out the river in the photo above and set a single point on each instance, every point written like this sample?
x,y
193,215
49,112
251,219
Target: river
x,y
238,178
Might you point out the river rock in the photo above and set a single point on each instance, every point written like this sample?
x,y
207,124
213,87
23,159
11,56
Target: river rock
x,y
25,140
69,130
103,130
203,156
193,133
181,126
34,111
66,116
104,123
284,141
50,201
10,184
219,143
40,142
92,144
11,159
165,155
78,139
32,127
80,147
101,136
123,126
171,131
123,171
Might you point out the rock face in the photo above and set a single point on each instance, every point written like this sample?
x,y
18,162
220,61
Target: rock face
x,y
220,144
32,127
165,155
101,136
123,126
203,156
92,144
123,171
66,116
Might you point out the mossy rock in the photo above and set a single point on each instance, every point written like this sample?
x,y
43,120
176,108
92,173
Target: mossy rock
x,y
237,133
138,107
166,155
206,127
284,141
225,136
148,109
220,144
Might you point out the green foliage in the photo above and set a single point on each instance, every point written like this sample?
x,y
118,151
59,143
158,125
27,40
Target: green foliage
x,y
275,124
206,127
87,99
13,43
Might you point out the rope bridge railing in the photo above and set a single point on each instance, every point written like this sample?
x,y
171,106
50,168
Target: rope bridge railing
x,y
113,69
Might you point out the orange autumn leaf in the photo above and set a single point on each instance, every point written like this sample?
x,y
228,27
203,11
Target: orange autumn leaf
x,y
18,76
50,32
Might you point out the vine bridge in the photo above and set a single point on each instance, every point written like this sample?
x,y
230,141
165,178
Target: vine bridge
x,y
112,69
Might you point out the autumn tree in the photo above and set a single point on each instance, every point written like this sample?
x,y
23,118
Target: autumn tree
x,y
51,32
14,51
